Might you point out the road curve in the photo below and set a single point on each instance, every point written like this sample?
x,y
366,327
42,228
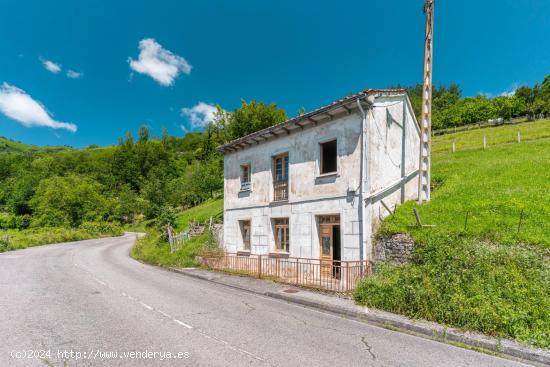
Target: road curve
x,y
88,303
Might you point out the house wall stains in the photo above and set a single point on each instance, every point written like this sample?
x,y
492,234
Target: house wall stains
x,y
312,194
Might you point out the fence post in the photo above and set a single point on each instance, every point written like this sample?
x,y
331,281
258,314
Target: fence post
x,y
519,137
466,221
484,141
454,147
297,272
520,220
347,277
259,266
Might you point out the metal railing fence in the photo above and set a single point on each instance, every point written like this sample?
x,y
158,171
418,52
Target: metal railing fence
x,y
334,276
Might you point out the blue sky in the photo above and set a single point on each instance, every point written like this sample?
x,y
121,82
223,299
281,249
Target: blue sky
x,y
294,53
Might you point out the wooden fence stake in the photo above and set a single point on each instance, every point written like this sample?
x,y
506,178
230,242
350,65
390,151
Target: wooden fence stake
x,y
454,147
520,220
519,137
484,141
466,221
418,222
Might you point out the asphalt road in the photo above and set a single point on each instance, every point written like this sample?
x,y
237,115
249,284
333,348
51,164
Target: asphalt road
x,y
90,304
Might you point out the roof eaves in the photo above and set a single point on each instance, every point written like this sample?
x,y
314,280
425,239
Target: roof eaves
x,y
295,121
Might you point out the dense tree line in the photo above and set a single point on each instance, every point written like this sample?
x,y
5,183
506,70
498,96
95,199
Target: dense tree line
x,y
451,109
135,179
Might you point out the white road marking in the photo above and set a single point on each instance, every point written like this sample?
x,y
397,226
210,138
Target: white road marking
x,y
183,324
146,306
164,314
236,349
99,281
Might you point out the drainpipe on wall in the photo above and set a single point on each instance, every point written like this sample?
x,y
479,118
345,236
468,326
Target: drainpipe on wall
x,y
364,178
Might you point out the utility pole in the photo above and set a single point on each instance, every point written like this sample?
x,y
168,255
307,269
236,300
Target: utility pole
x,y
426,120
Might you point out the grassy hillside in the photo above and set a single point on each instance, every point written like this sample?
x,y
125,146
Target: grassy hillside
x,y
154,249
473,139
492,188
485,265
12,146
200,213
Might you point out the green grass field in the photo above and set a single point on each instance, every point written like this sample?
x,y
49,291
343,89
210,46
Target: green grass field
x,y
473,139
489,272
492,188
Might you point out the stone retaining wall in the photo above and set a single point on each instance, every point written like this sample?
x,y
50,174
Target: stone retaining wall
x,y
397,248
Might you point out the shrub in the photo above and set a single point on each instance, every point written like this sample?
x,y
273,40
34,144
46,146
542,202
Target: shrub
x,y
10,221
467,283
5,243
167,217
102,228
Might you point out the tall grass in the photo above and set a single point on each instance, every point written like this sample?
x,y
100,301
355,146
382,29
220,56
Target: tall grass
x,y
154,248
18,239
499,290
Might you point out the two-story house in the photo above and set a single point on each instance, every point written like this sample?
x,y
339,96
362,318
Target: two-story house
x,y
317,185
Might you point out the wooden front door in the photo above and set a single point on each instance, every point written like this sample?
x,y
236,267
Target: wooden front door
x,y
327,248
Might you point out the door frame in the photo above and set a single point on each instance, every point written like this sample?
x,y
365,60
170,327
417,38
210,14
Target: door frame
x,y
327,223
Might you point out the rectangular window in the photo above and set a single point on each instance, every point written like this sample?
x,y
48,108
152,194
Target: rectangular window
x,y
282,236
280,164
245,177
280,177
245,232
329,157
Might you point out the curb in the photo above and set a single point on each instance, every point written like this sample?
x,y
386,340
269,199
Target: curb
x,y
424,329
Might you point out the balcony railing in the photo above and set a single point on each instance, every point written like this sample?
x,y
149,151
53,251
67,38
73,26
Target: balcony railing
x,y
246,186
280,190
335,276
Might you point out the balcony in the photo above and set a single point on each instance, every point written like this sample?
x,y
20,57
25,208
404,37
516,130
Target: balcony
x,y
246,186
280,190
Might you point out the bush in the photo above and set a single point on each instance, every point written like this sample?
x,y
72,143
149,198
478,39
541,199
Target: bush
x,y
154,249
10,221
466,283
167,217
102,228
5,244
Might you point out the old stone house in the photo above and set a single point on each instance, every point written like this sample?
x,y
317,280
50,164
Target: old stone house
x,y
317,185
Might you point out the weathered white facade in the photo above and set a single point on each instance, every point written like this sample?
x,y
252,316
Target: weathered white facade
x,y
376,139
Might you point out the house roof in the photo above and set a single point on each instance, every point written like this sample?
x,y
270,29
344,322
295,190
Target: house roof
x,y
326,113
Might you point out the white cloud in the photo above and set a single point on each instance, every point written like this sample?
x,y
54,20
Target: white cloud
x,y
200,114
159,63
21,107
74,74
51,66
510,92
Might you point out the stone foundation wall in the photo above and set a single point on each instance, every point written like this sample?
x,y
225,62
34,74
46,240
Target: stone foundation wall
x,y
397,248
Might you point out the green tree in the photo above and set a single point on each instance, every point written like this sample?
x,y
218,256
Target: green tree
x,y
68,201
253,116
